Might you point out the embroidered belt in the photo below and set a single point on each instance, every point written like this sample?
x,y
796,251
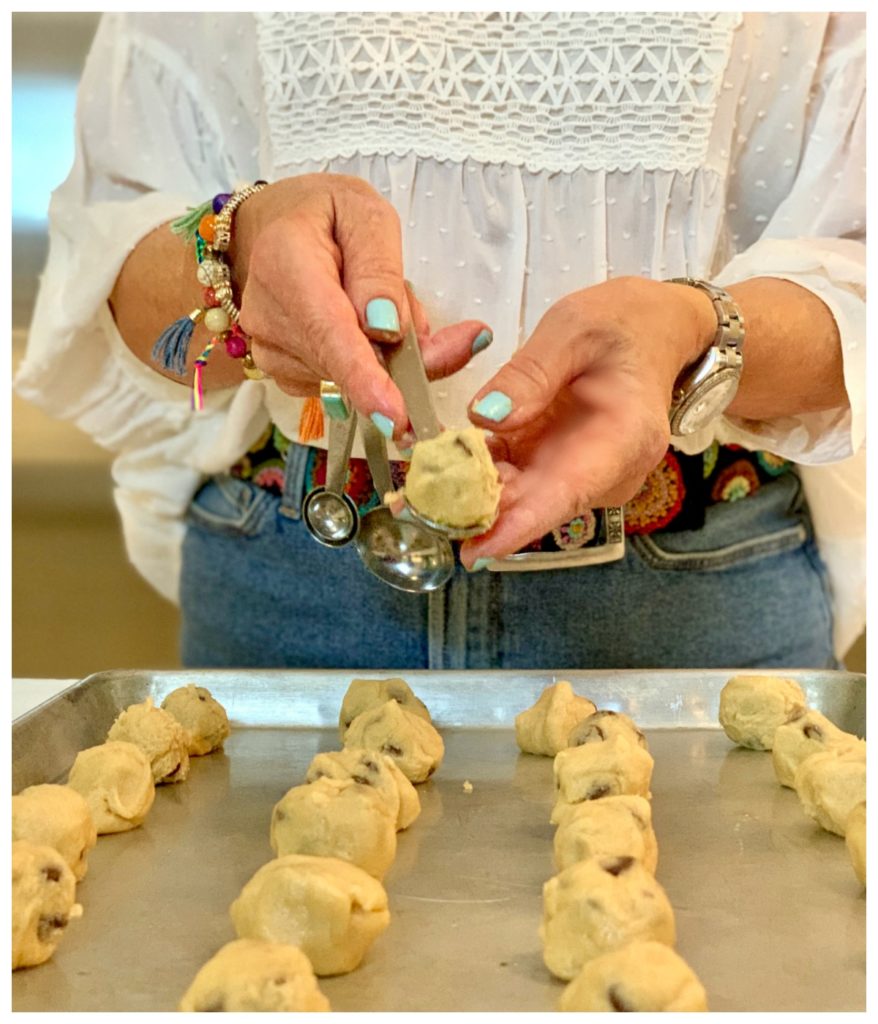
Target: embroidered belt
x,y
674,496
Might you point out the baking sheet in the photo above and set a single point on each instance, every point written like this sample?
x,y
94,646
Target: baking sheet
x,y
768,910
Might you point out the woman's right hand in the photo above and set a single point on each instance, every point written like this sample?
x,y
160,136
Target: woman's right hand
x,y
317,262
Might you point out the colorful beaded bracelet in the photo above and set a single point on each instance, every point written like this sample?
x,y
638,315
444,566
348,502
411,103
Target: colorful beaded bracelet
x,y
210,227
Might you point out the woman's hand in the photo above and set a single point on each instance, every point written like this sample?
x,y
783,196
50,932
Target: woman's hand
x,y
317,260
579,415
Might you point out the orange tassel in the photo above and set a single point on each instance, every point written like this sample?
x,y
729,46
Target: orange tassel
x,y
311,421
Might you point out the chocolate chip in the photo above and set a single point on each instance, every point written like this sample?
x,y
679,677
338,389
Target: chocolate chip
x,y
370,766
597,791
282,980
49,924
617,865
606,713
201,698
280,816
363,781
215,1005
813,732
52,874
317,775
616,1000
389,748
348,723
431,770
462,444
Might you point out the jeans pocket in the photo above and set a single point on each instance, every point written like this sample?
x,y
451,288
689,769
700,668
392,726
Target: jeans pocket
x,y
230,506
728,556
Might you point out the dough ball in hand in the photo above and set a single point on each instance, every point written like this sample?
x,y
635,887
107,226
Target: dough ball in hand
x,y
411,741
115,780
615,826
159,735
604,725
252,975
43,902
808,734
332,910
597,906
369,768
831,784
336,818
203,718
365,694
452,480
855,838
613,768
59,817
545,727
752,708
644,977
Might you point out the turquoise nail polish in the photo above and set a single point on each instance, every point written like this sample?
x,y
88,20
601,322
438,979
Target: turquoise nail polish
x,y
384,424
482,340
382,315
406,453
334,407
479,564
494,406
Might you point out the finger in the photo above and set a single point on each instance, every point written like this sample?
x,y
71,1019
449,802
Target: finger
x,y
451,348
367,231
558,351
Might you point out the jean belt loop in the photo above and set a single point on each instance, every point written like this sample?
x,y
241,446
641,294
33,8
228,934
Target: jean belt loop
x,y
294,481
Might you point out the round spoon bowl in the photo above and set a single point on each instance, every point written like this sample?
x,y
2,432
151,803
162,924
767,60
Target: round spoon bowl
x,y
404,554
332,519
453,532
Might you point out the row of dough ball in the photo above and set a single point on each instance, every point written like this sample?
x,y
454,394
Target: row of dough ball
x,y
110,788
320,902
810,754
608,926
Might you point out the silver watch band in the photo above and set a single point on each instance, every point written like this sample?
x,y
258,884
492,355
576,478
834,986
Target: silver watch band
x,y
729,321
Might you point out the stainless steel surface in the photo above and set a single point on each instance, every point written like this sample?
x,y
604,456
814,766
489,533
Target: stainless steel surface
x,y
330,515
405,364
405,555
454,532
768,911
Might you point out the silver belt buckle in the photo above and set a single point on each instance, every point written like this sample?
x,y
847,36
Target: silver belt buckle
x,y
609,547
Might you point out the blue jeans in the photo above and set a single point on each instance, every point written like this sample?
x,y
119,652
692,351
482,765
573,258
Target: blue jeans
x,y
746,590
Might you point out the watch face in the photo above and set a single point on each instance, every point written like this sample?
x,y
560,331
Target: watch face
x,y
707,402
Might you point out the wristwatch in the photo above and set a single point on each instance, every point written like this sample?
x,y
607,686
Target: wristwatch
x,y
704,390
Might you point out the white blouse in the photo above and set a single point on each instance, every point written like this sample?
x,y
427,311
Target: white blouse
x,y
527,154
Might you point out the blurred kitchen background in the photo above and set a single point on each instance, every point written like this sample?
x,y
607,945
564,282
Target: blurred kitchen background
x,y
77,605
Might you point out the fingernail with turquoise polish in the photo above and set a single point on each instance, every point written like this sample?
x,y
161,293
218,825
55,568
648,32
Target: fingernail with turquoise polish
x,y
384,424
481,341
334,407
406,453
382,315
479,564
494,406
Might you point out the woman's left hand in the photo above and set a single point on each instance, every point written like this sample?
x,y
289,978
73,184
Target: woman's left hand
x,y
579,415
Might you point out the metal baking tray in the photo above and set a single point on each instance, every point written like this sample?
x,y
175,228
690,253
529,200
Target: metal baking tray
x,y
769,913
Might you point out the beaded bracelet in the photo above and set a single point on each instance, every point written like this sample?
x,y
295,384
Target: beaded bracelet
x,y
210,227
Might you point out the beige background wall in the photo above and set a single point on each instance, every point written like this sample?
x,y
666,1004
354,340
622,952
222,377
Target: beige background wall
x,y
77,605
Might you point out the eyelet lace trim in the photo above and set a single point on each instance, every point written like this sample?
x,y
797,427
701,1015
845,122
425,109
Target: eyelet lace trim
x,y
544,91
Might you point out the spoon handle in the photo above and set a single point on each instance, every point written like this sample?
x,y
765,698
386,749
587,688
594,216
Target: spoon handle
x,y
376,455
405,364
338,454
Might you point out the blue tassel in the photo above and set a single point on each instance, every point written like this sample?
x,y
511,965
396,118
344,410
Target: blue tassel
x,y
172,346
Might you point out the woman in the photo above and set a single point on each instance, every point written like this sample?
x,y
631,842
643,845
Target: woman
x,y
537,178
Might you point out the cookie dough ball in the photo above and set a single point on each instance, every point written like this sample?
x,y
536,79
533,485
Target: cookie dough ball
x,y
115,780
603,725
336,818
615,826
643,977
56,816
251,975
545,727
855,838
203,718
452,480
613,768
751,708
332,910
599,905
43,902
809,734
831,784
365,694
159,735
367,768
412,742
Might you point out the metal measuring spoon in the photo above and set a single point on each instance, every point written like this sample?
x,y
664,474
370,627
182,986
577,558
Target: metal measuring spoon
x,y
330,515
405,364
401,553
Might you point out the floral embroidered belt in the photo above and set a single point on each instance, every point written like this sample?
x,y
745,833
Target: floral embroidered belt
x,y
673,497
